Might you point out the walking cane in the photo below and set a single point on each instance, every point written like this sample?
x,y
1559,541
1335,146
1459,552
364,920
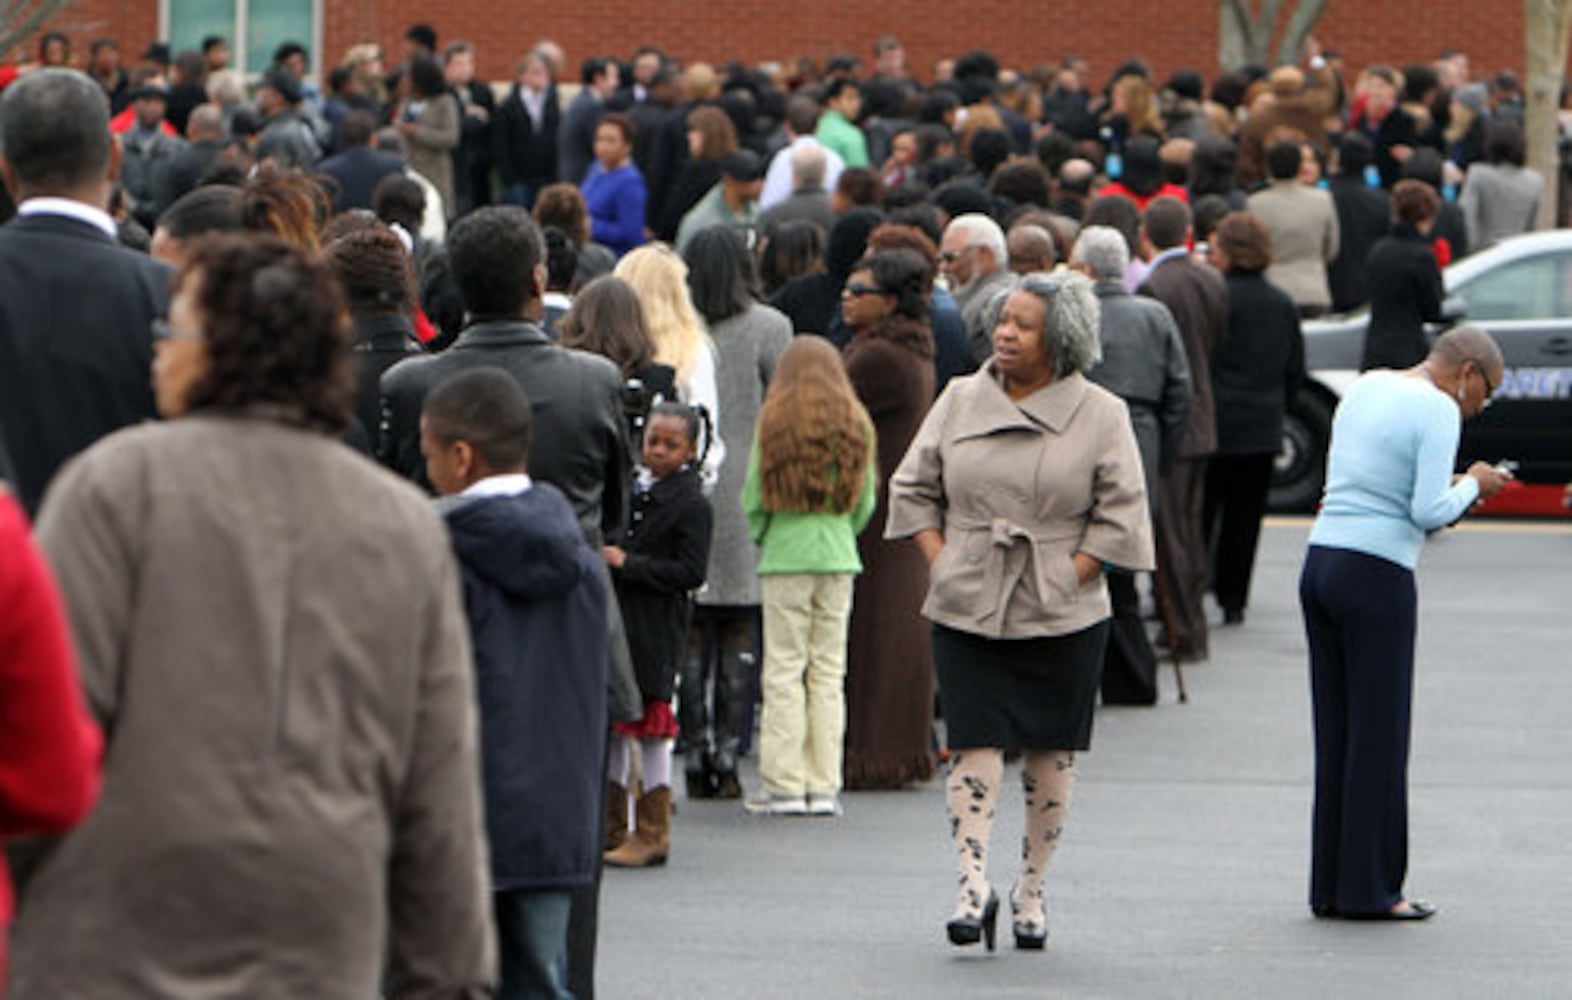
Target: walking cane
x,y
1165,609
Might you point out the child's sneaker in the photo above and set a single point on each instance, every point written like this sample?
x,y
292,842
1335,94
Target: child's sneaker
x,y
762,803
824,804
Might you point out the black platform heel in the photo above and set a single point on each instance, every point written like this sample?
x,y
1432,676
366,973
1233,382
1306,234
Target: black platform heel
x,y
984,927
1028,937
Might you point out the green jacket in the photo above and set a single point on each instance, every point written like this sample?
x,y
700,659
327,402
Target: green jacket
x,y
842,136
798,542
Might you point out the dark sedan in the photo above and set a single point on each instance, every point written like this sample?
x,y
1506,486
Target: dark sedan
x,y
1521,291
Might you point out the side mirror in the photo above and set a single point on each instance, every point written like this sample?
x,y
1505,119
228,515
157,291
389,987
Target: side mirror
x,y
1453,310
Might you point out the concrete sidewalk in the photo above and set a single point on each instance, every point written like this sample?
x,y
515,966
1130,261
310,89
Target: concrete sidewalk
x,y
1184,865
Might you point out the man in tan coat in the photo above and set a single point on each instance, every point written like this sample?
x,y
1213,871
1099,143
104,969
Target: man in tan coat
x,y
1304,228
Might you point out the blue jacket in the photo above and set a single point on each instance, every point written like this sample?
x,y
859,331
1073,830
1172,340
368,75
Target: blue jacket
x,y
616,200
536,600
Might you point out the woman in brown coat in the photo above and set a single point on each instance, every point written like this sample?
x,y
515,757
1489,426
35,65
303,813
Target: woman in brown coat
x,y
889,673
1023,483
271,631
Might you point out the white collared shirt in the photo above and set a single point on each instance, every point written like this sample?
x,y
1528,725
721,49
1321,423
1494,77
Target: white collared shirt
x,y
78,210
510,485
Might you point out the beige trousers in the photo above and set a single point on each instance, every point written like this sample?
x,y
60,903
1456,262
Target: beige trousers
x,y
802,728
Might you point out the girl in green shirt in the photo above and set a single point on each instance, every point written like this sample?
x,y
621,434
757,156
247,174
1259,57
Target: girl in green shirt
x,y
811,486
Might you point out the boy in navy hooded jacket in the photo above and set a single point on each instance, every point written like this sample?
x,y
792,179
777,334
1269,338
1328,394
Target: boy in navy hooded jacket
x,y
537,613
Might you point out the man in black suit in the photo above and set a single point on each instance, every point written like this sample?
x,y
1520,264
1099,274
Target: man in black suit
x,y
580,444
76,308
1198,299
524,136
205,141
576,137
472,156
358,170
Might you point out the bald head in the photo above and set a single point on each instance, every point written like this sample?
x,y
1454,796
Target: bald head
x,y
1075,176
206,123
1468,343
54,132
1031,249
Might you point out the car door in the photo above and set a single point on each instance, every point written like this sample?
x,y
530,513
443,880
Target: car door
x,y
1526,304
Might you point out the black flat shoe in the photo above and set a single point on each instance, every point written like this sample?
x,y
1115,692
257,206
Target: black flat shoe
x,y
984,927
1411,909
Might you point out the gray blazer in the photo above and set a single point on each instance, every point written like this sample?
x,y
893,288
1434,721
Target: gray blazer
x,y
1500,200
1144,364
746,348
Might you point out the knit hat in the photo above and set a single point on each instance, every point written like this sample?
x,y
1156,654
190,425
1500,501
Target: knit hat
x,y
1472,96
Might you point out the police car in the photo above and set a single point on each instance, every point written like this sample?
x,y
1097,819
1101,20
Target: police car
x,y
1521,291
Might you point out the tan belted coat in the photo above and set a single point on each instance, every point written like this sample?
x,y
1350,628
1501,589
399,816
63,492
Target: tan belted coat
x,y
1017,488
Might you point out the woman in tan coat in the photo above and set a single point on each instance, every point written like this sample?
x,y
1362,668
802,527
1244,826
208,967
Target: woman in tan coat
x,y
430,119
271,632
1022,484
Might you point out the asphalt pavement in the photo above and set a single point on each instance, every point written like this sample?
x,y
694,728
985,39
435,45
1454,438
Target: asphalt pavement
x,y
1183,869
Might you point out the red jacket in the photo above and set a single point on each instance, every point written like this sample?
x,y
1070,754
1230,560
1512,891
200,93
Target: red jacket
x,y
1166,191
125,121
49,745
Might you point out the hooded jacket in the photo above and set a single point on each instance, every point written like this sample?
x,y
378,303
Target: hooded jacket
x,y
537,612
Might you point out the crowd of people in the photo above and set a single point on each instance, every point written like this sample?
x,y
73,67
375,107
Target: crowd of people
x,y
758,403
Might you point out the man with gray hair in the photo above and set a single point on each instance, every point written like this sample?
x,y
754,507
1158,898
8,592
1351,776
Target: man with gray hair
x,y
76,333
802,120
975,260
1144,364
809,200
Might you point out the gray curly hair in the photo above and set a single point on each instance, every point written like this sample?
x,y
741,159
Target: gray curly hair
x,y
1071,317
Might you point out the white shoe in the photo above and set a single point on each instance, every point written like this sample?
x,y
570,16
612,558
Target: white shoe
x,y
764,804
824,804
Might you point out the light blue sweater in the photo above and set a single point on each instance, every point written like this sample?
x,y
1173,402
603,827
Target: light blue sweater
x,y
1389,471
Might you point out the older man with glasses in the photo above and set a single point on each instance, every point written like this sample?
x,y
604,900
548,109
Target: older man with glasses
x,y
975,261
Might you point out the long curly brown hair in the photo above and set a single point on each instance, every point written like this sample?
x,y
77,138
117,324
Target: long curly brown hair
x,y
815,438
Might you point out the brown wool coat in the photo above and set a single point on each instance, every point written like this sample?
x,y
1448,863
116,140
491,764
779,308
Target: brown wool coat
x,y
889,663
1017,488
271,632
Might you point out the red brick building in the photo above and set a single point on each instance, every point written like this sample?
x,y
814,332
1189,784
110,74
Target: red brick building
x,y
1168,34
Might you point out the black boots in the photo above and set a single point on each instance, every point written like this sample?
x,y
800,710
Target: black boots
x,y
712,740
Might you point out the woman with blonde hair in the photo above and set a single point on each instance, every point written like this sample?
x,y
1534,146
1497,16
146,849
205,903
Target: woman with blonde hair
x,y
660,278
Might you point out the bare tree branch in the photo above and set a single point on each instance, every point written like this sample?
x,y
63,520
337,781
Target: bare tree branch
x,y
1300,24
1237,41
20,18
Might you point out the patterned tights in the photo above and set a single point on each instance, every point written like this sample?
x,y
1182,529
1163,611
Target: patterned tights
x,y
972,792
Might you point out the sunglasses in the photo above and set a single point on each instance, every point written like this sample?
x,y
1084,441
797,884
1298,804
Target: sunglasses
x,y
857,289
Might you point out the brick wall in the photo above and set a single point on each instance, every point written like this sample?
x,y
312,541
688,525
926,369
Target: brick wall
x,y
1021,32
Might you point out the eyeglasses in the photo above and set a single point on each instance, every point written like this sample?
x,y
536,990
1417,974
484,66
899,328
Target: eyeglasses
x,y
950,256
163,331
1490,390
857,289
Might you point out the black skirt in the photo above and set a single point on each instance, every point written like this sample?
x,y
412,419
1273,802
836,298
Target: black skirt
x,y
1019,694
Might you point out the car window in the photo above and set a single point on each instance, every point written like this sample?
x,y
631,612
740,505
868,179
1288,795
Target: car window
x,y
1535,288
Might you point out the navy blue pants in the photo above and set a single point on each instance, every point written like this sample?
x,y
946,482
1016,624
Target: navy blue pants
x,y
1360,615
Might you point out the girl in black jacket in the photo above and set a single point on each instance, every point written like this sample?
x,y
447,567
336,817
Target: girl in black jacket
x,y
662,561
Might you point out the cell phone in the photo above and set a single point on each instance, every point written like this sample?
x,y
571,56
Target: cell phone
x,y
1507,467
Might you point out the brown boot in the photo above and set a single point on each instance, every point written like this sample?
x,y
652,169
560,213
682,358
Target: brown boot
x,y
616,817
651,840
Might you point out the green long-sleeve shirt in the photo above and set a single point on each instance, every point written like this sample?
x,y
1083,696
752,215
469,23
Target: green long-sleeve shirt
x,y
799,542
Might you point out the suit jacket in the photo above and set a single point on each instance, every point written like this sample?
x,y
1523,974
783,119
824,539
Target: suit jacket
x,y
1406,292
1305,236
356,172
182,173
576,138
581,442
1198,299
1364,215
524,154
76,347
1259,368
380,343
1144,365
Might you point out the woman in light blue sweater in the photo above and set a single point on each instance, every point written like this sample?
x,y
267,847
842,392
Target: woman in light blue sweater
x,y
1389,481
